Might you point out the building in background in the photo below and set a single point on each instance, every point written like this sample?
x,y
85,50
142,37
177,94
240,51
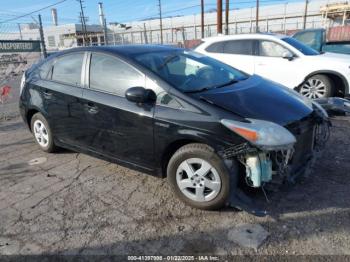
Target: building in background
x,y
58,37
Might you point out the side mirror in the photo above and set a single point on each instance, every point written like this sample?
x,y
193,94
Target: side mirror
x,y
140,95
288,55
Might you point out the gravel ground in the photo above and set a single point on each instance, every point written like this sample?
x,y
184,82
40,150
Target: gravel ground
x,y
76,204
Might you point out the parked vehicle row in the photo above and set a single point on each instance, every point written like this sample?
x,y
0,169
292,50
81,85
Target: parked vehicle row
x,y
284,60
177,114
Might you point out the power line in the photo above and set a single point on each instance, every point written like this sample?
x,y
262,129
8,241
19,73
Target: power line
x,y
38,10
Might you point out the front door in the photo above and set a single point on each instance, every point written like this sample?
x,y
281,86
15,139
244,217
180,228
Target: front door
x,y
269,63
114,126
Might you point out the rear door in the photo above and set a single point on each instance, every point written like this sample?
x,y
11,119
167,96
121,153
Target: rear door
x,y
62,94
236,53
114,126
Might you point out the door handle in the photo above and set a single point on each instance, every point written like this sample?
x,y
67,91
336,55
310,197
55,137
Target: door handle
x,y
91,108
47,94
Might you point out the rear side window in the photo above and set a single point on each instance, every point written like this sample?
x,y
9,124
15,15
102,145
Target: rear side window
x,y
239,47
109,74
45,69
216,48
67,69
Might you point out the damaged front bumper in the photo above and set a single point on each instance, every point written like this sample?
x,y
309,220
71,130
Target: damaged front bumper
x,y
334,105
271,168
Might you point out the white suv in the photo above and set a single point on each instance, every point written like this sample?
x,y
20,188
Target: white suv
x,y
284,60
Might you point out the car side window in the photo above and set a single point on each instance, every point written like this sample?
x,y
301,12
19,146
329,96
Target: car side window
x,y
239,47
164,99
110,74
45,69
67,69
271,49
215,48
312,39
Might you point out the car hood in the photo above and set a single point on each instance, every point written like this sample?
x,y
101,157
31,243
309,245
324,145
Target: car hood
x,y
259,98
333,57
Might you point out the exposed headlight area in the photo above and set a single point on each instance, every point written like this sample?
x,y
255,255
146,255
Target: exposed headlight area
x,y
273,152
263,134
320,109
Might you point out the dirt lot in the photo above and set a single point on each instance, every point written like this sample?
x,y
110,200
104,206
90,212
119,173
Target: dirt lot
x,y
76,204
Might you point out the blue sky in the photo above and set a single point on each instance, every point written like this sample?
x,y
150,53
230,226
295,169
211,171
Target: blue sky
x,y
115,10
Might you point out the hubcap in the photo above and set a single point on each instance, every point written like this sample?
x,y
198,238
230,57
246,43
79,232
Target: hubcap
x,y
198,180
313,88
40,133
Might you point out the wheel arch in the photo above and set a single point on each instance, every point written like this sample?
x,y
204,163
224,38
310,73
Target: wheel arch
x,y
29,116
169,151
30,113
340,82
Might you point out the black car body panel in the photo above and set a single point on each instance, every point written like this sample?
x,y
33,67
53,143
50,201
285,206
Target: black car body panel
x,y
259,99
143,136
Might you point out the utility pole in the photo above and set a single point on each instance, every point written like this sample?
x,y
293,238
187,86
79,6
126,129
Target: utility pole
x,y
202,18
42,38
219,17
227,10
285,18
20,31
257,17
105,31
160,21
145,33
103,22
305,13
83,23
82,28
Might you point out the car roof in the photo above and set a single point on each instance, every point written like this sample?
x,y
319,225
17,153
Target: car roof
x,y
243,36
122,50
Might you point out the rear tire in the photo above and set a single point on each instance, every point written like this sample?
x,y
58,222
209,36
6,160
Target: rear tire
x,y
317,86
199,177
42,133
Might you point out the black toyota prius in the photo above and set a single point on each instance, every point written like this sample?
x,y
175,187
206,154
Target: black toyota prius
x,y
173,113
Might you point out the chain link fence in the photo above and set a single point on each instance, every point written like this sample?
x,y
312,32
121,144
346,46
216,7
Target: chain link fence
x,y
179,35
16,56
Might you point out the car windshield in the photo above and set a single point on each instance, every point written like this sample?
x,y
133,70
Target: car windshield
x,y
306,50
189,71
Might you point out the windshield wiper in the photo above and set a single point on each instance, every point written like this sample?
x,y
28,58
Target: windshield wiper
x,y
198,90
233,81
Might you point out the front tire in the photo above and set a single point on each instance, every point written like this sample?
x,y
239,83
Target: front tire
x,y
199,177
317,86
42,133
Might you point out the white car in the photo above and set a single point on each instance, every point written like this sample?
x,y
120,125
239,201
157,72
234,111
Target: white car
x,y
284,60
